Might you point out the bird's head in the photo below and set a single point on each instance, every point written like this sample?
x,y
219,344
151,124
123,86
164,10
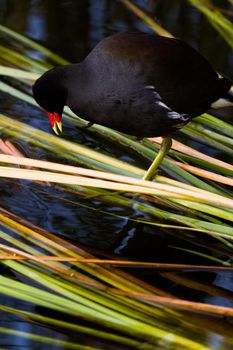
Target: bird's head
x,y
50,94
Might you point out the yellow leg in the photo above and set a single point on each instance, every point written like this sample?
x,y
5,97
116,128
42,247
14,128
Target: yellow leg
x,y
164,149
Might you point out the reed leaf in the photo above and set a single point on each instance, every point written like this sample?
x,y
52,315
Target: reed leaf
x,y
100,294
130,185
63,295
46,340
217,20
146,18
32,44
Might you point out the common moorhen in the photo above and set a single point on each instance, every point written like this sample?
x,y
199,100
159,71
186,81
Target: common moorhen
x,y
137,83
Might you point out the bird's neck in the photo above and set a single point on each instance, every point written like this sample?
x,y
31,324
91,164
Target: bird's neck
x,y
77,87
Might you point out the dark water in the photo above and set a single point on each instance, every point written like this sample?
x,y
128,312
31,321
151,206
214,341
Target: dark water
x,y
71,29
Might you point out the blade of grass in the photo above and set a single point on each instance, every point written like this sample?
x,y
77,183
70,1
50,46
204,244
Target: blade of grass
x,y
163,191
204,136
219,125
124,324
18,73
46,340
199,158
146,18
206,174
23,61
32,44
66,148
90,331
217,20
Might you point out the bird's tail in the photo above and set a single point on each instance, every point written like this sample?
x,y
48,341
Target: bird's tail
x,y
225,93
229,96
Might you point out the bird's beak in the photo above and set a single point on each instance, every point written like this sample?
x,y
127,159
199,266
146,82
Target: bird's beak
x,y
55,122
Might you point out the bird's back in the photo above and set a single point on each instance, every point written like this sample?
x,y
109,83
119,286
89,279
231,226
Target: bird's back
x,y
183,78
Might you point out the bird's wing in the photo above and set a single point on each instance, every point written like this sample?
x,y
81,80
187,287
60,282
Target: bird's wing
x,y
140,112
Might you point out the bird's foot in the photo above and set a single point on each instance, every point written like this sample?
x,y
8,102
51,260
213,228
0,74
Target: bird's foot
x,y
88,125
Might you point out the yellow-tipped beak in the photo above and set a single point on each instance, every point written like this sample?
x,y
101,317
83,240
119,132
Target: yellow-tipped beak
x,y
57,127
55,122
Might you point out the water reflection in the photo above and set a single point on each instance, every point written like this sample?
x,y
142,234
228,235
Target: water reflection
x,y
72,28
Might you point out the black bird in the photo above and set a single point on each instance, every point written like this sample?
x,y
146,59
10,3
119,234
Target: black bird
x,y
137,83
